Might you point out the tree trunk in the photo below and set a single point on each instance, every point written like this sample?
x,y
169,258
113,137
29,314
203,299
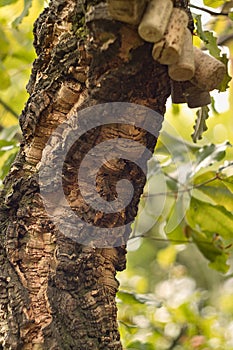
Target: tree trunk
x,y
56,292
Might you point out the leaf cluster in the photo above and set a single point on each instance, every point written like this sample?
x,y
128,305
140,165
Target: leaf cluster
x,y
195,204
210,43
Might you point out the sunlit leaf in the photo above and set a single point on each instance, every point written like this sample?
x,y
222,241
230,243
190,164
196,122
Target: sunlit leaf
x,y
25,12
137,345
175,109
206,177
214,3
5,80
213,188
167,256
7,2
133,298
228,182
203,216
20,55
4,45
177,235
196,193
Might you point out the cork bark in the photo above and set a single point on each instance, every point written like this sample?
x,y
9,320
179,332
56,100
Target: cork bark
x,y
54,292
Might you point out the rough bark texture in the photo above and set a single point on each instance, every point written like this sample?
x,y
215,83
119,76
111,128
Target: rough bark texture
x,y
54,292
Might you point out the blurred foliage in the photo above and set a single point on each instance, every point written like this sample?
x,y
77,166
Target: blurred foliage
x,y
16,55
16,58
193,201
185,225
169,297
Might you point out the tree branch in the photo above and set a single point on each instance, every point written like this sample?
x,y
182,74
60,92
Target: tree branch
x,y
212,13
225,38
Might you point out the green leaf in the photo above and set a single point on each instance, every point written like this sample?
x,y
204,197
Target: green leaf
x,y
217,257
4,45
213,106
224,85
8,133
172,184
230,15
208,176
214,191
228,182
220,263
4,78
176,147
177,235
214,3
6,145
200,123
209,39
137,345
133,298
203,216
176,216
24,13
166,257
175,109
196,193
219,194
209,154
4,170
7,2
211,44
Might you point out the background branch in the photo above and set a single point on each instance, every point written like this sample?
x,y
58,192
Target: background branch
x,y
212,13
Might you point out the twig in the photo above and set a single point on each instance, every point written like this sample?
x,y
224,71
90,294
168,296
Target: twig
x,y
212,13
169,240
188,189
